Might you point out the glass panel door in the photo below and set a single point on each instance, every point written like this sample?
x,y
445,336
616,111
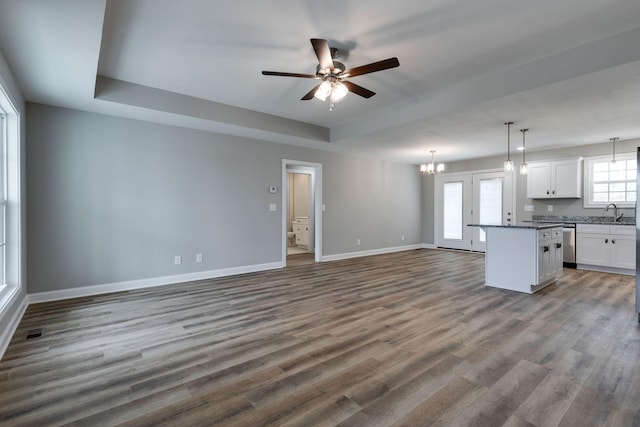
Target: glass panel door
x,y
471,198
488,197
453,209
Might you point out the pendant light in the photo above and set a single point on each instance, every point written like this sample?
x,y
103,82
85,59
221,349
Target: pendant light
x,y
431,168
523,166
508,164
613,160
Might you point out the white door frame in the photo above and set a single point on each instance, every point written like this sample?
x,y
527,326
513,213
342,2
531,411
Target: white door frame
x,y
440,241
315,170
507,204
467,179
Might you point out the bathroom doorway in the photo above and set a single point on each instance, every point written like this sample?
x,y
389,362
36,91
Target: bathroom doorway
x,y
301,212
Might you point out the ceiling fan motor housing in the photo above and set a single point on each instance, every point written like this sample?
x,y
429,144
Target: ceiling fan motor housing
x,y
338,67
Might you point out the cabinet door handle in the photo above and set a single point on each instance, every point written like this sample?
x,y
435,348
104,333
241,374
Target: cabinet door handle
x,y
606,240
553,192
613,241
547,192
545,249
558,245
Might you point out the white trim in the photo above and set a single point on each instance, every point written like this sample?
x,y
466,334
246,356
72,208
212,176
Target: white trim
x,y
605,269
381,251
14,322
429,246
147,283
587,203
315,170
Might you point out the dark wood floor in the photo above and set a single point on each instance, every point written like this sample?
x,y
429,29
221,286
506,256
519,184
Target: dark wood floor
x,y
405,339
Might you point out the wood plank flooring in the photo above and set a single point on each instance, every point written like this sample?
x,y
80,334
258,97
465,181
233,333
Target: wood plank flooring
x,y
405,339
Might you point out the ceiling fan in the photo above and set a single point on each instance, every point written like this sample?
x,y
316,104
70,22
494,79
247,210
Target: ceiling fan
x,y
334,74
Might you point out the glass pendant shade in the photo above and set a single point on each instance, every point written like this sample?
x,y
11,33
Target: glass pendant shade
x,y
508,164
323,91
338,91
524,168
613,159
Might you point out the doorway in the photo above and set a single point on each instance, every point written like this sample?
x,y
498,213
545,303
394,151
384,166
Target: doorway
x,y
301,210
299,213
484,197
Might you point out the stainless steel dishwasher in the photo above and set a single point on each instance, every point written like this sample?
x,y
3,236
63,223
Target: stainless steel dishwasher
x,y
569,245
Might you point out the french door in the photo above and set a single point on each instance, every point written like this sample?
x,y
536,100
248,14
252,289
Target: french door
x,y
471,198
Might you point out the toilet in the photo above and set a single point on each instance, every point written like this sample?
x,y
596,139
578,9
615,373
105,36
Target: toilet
x,y
290,238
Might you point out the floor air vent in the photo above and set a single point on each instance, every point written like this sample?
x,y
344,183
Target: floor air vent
x,y
34,333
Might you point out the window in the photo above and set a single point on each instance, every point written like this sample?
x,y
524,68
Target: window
x,y
453,210
10,228
607,182
490,203
3,199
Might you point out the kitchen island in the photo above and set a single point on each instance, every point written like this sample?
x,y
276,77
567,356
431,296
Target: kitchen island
x,y
522,257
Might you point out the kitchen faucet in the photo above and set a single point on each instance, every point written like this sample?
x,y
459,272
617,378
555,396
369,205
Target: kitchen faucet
x,y
616,218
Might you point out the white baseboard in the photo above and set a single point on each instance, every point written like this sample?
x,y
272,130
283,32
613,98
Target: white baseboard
x,y
429,246
602,269
147,283
7,334
381,251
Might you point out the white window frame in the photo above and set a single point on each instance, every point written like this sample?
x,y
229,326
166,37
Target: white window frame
x,y
588,201
10,195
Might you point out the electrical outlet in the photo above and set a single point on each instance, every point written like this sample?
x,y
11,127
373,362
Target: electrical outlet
x,y
198,257
358,242
177,260
272,207
549,208
528,208
402,237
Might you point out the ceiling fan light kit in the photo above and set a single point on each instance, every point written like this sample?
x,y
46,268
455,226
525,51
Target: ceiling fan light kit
x,y
334,75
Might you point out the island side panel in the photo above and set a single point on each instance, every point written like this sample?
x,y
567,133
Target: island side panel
x,y
511,258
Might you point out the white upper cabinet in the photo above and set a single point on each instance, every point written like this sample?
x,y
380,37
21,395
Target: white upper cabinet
x,y
555,179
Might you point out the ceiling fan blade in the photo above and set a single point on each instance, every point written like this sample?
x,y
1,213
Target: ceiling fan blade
x,y
310,94
358,90
385,64
278,73
321,47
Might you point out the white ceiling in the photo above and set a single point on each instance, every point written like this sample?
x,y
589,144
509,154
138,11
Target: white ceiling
x,y
569,70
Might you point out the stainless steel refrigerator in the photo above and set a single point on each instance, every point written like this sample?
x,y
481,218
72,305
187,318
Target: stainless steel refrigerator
x,y
638,242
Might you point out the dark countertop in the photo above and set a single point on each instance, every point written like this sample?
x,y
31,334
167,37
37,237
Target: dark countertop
x,y
606,220
529,225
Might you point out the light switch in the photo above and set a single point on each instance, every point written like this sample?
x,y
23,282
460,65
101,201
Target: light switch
x,y
324,208
550,208
272,207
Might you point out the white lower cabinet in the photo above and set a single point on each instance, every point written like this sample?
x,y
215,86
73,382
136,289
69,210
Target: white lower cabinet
x,y
606,247
550,254
301,230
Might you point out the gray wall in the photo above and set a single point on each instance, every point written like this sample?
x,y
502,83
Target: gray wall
x,y
570,207
114,200
301,184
